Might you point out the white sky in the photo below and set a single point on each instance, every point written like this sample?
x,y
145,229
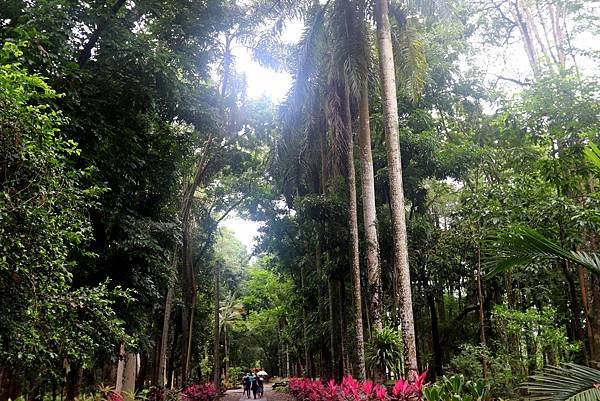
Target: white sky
x,y
261,81
244,230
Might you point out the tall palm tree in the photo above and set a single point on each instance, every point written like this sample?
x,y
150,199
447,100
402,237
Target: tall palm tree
x,y
390,112
333,53
230,311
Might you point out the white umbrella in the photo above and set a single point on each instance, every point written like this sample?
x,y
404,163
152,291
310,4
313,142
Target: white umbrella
x,y
262,373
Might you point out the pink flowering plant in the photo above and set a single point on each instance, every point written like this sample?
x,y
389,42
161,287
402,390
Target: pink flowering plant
x,y
351,389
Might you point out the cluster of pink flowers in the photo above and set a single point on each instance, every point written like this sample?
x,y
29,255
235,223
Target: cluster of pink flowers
x,y
199,392
351,389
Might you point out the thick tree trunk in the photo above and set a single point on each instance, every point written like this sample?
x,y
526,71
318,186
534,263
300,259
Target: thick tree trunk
x,y
355,256
130,372
217,338
73,383
369,209
390,111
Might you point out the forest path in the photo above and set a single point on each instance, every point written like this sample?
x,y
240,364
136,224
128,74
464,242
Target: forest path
x,y
267,390
238,395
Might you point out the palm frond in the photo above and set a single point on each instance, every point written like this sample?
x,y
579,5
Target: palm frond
x,y
570,382
592,154
524,245
409,51
350,44
335,117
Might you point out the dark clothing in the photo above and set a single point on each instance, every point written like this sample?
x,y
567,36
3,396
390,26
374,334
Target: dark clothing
x,y
247,383
254,386
261,386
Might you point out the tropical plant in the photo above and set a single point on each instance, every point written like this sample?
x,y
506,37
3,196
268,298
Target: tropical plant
x,y
384,351
569,382
457,388
523,245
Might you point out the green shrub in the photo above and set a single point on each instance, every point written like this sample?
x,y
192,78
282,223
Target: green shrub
x,y
457,388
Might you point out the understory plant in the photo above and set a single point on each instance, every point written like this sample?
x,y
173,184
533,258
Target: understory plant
x,y
384,352
351,389
456,388
567,382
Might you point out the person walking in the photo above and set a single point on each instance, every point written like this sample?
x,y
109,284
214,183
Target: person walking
x,y
254,385
261,385
247,380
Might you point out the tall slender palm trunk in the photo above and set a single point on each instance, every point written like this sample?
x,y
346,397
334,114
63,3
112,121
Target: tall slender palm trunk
x,y
217,327
369,210
400,253
355,256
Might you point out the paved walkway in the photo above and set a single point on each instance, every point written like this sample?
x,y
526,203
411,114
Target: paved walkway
x,y
238,394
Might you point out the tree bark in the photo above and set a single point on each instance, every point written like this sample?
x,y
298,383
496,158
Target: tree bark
x,y
305,345
481,314
120,369
390,111
435,336
595,317
130,372
189,304
216,342
73,383
369,209
333,344
164,338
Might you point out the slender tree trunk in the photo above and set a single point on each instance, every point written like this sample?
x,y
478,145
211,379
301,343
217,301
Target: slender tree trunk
x,y
189,295
344,360
355,256
120,369
595,316
369,209
217,339
390,111
325,359
435,336
332,331
481,314
304,319
164,338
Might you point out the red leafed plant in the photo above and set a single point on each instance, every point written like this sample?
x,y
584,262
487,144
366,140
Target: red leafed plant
x,y
351,389
406,390
199,392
